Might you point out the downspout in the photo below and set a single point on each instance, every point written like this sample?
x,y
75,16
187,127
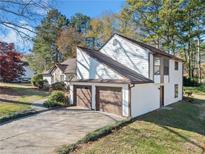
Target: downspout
x,y
130,86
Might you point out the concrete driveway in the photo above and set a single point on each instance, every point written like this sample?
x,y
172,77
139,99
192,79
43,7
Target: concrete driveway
x,y
43,133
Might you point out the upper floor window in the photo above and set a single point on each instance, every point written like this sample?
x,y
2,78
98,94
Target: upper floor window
x,y
166,66
176,65
156,66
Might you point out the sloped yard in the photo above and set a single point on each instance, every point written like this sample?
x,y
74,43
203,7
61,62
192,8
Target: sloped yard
x,y
18,98
179,128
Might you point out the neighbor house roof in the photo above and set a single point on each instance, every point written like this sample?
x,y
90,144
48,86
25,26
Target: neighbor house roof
x,y
130,75
48,72
67,66
70,65
149,47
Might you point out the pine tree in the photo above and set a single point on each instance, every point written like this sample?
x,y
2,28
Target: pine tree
x,y
45,41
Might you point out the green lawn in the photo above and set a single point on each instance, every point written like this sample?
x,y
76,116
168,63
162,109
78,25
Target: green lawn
x,y
178,129
7,109
196,90
18,97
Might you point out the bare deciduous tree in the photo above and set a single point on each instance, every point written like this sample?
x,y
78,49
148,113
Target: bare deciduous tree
x,y
22,15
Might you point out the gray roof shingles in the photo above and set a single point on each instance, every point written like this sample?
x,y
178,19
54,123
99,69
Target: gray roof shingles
x,y
67,66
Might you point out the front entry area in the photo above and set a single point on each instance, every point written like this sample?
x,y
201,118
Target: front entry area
x,y
109,99
83,96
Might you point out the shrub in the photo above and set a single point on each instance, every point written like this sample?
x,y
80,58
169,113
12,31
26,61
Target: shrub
x,y
50,104
57,98
190,82
58,86
37,80
45,85
40,84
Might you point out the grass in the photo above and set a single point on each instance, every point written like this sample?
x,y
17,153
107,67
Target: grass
x,y
93,136
177,129
18,98
7,109
196,90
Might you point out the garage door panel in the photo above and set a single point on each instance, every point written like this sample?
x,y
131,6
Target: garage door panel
x,y
83,96
109,99
111,107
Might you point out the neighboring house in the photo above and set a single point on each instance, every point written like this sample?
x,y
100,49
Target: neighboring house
x,y
64,71
126,77
28,73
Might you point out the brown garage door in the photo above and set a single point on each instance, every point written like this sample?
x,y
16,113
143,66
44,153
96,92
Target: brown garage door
x,y
83,96
109,99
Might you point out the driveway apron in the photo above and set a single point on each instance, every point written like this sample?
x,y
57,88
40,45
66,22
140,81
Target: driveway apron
x,y
43,133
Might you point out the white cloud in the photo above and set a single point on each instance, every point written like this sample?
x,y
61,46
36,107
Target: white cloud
x,y
22,44
42,8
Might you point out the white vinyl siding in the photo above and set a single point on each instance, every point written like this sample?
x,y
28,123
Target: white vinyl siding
x,y
128,54
175,77
90,68
144,98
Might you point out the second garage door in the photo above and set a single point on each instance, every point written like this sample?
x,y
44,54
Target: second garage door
x,y
109,99
83,96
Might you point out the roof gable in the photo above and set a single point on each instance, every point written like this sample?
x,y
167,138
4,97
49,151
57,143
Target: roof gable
x,y
145,46
67,66
129,74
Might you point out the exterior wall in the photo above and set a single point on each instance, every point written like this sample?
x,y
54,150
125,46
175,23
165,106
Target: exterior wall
x,y
56,75
48,78
175,77
157,78
151,66
89,68
125,94
128,53
141,103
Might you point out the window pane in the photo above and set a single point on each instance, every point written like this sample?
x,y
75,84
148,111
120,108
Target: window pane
x,y
176,88
176,65
156,70
166,66
156,65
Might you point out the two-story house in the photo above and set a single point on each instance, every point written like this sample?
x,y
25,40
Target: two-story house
x,y
126,77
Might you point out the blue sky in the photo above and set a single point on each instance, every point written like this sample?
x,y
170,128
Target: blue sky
x,y
92,8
